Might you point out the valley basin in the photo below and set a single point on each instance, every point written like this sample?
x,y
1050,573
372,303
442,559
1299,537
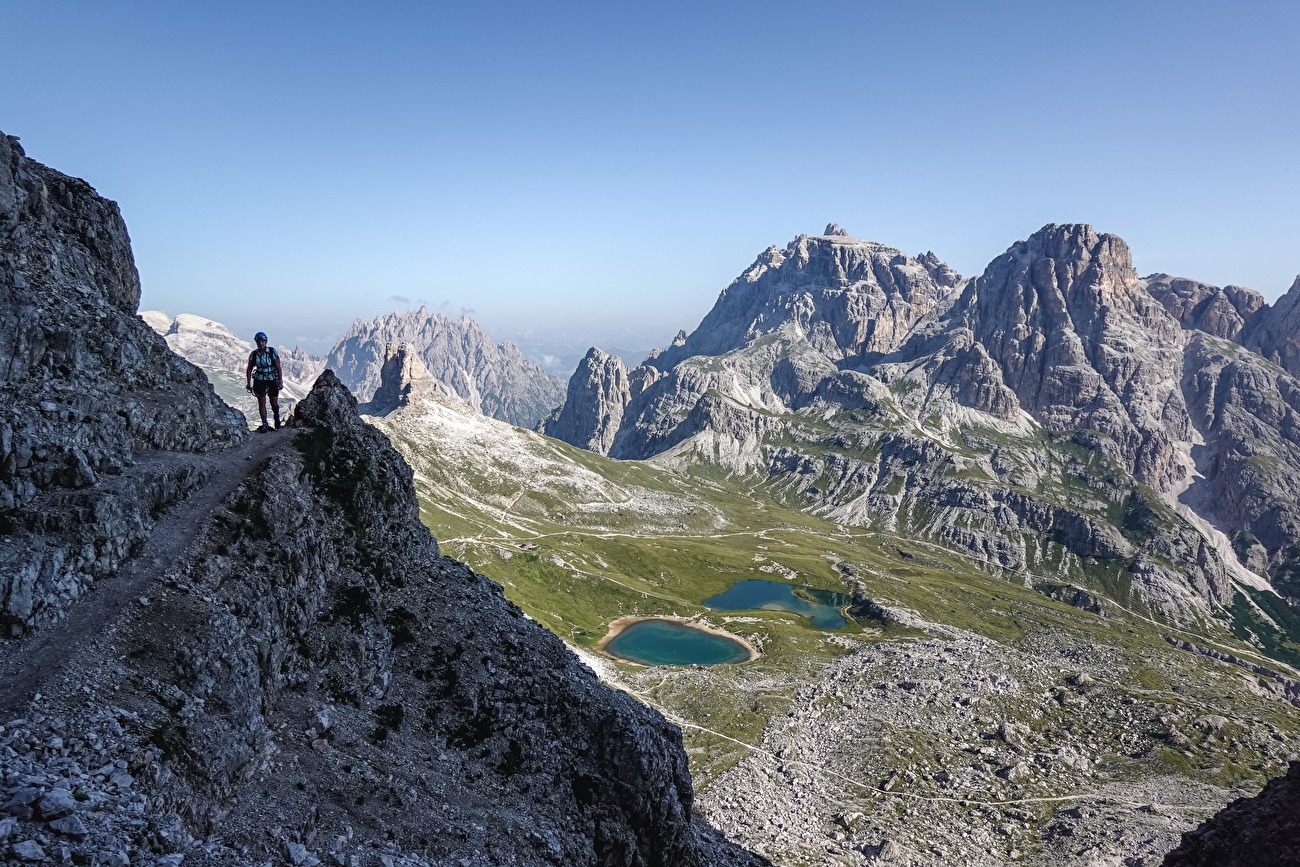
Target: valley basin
x,y
673,641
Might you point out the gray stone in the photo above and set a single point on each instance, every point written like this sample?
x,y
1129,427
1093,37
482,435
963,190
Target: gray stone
x,y
72,826
24,796
56,803
29,850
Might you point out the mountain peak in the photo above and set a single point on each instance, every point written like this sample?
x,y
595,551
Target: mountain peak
x,y
833,229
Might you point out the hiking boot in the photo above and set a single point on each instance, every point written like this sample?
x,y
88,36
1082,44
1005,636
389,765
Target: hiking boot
x,y
264,428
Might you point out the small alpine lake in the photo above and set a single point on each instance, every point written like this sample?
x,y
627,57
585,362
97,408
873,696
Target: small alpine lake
x,y
822,607
659,641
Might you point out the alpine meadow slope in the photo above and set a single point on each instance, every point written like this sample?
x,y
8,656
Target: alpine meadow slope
x,y
962,716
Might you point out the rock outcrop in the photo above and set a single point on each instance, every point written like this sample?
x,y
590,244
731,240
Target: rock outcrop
x,y
845,296
599,390
1263,831
1084,346
299,365
402,379
495,379
1275,334
96,409
1221,312
311,657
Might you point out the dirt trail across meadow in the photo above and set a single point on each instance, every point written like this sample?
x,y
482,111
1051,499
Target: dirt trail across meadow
x,y
29,662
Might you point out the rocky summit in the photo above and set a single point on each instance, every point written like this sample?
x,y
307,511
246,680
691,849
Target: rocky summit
x,y
272,662
495,379
1055,415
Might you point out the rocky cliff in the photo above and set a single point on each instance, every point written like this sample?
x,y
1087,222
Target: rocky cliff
x,y
1220,312
1275,332
599,391
292,672
97,414
402,379
495,379
1024,415
848,296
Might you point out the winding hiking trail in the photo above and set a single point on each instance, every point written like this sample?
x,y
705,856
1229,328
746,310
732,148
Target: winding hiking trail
x,y
31,661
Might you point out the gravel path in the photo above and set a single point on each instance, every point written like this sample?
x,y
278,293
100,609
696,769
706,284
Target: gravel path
x,y
30,661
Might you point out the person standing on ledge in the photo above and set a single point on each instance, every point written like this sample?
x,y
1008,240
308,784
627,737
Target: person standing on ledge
x,y
264,379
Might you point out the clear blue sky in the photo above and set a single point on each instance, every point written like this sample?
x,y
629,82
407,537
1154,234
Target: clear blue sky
x,y
597,172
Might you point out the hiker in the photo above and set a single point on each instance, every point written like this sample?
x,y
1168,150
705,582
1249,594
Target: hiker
x,y
264,379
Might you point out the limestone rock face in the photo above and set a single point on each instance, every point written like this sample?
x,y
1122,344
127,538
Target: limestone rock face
x,y
497,380
1249,414
402,379
846,297
598,392
299,365
88,391
1202,307
1276,332
1083,345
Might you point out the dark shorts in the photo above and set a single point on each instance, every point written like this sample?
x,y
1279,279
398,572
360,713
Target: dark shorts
x,y
265,386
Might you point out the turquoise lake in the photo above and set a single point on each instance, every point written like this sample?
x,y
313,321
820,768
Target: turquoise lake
x,y
820,606
666,642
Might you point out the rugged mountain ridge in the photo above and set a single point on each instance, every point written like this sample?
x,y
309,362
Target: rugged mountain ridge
x,y
1056,416
1275,333
320,661
98,415
598,393
497,379
403,379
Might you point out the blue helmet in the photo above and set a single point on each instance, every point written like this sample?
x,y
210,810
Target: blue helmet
x,y
261,335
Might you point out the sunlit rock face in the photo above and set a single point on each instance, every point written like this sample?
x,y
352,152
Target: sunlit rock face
x,y
823,359
495,379
1220,312
598,392
1083,345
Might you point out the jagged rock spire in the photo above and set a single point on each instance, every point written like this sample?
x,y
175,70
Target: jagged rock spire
x,y
835,230
402,379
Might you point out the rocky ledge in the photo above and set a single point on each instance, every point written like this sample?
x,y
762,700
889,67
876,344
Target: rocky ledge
x,y
325,665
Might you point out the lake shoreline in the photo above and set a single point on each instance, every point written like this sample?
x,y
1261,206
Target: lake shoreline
x,y
619,625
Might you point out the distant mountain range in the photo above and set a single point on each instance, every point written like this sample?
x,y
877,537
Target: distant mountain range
x,y
495,379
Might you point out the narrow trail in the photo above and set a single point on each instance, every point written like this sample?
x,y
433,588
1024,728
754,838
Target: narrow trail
x,y
28,662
